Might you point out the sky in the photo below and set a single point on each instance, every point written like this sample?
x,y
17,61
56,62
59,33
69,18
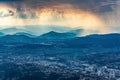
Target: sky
x,y
93,16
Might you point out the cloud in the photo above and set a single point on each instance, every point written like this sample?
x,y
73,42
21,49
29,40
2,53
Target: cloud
x,y
112,18
26,14
97,16
96,6
6,13
71,18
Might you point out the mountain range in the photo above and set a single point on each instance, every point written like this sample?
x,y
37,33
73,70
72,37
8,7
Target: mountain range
x,y
2,34
13,30
24,33
56,35
66,39
27,32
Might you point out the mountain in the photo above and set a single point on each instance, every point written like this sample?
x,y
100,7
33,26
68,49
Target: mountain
x,y
78,32
101,41
67,40
22,37
24,33
105,36
13,30
16,39
56,35
2,34
40,29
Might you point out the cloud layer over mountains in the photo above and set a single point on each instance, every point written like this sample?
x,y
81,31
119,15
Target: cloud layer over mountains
x,y
100,16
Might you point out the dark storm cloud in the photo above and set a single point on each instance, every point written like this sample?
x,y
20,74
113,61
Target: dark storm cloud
x,y
95,5
9,0
27,16
91,5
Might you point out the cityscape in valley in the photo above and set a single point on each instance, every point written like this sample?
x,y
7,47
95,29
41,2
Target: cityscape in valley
x,y
59,40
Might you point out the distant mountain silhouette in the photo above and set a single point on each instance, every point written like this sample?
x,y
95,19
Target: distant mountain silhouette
x,y
13,30
78,32
24,33
56,35
2,34
26,37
